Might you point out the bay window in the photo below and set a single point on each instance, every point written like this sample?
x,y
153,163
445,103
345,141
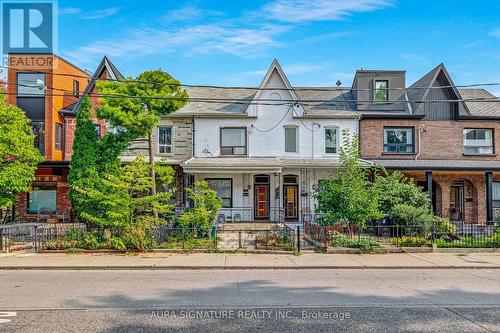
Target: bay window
x,y
478,141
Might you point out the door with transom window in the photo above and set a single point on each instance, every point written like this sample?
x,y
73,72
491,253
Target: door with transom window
x,y
291,198
261,197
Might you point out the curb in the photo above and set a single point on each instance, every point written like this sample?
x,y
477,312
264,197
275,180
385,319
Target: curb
x,y
121,268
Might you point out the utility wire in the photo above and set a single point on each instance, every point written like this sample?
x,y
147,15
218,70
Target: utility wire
x,y
246,88
261,101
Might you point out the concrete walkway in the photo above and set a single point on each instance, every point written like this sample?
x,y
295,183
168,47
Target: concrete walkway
x,y
248,261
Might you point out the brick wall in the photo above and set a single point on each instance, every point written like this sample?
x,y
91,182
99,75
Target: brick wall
x,y
439,139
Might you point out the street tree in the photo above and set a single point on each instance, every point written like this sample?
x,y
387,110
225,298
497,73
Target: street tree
x,y
18,155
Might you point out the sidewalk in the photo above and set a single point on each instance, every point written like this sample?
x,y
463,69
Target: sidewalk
x,y
248,261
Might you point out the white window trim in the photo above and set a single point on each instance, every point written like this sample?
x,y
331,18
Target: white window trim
x,y
297,140
171,140
324,140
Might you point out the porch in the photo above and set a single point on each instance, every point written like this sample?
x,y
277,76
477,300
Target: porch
x,y
462,190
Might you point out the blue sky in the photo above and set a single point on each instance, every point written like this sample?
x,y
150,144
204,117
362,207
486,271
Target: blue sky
x,y
316,41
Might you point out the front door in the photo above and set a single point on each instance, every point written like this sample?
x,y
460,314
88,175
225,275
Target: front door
x,y
291,200
457,202
261,201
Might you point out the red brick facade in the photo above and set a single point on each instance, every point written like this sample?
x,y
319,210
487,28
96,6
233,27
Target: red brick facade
x,y
438,140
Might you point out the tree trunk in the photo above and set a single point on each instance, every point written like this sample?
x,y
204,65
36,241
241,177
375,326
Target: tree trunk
x,y
152,169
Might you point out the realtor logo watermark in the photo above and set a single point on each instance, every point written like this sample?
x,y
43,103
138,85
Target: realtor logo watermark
x,y
29,27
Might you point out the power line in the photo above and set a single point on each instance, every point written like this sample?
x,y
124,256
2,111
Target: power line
x,y
324,89
312,102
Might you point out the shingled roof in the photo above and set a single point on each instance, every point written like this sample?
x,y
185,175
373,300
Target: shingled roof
x,y
481,109
234,101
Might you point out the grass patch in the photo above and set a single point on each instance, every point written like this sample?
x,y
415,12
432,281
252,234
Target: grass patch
x,y
364,244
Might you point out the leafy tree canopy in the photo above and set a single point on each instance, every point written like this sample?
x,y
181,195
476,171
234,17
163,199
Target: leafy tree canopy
x,y
18,155
348,197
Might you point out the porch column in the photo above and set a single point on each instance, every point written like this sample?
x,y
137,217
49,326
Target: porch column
x,y
428,177
489,196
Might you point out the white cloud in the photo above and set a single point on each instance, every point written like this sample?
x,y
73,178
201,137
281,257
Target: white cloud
x,y
189,13
88,15
495,33
100,14
69,11
319,10
224,37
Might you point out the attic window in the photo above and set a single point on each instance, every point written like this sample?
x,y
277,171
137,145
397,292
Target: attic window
x,y
381,93
76,88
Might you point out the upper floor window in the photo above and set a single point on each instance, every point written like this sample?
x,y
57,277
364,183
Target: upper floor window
x,y
291,142
233,141
399,140
76,88
478,141
165,140
381,90
331,141
59,135
30,84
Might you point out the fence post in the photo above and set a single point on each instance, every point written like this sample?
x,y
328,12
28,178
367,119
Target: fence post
x,y
298,239
36,239
397,235
239,239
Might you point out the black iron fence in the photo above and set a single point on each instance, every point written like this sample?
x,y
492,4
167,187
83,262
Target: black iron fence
x,y
459,235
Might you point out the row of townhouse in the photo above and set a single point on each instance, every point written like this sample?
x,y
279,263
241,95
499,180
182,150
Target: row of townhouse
x,y
263,150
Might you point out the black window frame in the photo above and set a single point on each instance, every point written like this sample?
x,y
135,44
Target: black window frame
x,y
375,91
171,146
492,141
30,96
58,143
232,148
397,145
232,191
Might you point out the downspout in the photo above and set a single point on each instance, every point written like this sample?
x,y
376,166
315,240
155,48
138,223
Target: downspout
x,y
193,131
420,130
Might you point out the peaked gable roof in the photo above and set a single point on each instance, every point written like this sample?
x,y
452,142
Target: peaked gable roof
x,y
419,90
105,66
275,66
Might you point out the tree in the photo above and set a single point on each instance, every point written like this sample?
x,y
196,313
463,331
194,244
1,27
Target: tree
x,y
206,207
83,166
123,198
348,197
396,189
18,155
156,93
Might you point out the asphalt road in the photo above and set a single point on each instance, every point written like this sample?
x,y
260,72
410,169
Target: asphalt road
x,y
251,301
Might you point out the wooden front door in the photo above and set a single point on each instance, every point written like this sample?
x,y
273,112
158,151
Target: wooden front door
x,y
291,200
261,201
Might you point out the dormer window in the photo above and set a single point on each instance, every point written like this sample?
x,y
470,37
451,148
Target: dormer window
x,y
381,93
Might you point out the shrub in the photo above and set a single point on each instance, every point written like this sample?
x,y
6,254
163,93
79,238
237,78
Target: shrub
x,y
365,245
443,225
406,241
